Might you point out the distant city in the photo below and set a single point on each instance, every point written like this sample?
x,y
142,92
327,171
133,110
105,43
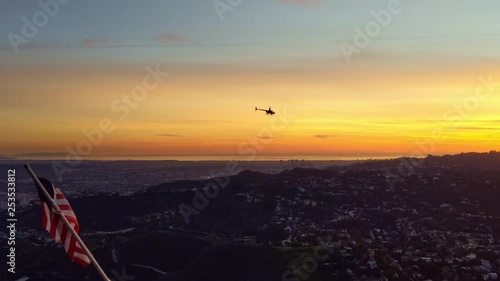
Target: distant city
x,y
170,220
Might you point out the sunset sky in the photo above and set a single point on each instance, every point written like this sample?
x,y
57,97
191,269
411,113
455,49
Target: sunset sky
x,y
418,74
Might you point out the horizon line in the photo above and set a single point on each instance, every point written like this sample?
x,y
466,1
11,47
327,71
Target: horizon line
x,y
224,158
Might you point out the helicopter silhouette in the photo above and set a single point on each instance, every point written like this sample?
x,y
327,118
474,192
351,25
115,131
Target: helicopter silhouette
x,y
268,111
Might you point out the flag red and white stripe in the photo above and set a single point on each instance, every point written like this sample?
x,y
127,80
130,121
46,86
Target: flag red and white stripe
x,y
52,223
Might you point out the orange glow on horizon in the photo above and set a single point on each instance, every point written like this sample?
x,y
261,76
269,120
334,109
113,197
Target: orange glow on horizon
x,y
211,113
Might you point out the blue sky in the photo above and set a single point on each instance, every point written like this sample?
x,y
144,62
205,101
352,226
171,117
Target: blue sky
x,y
255,30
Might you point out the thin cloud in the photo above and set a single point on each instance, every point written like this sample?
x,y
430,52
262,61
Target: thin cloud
x,y
307,3
170,38
168,135
198,121
478,128
97,42
336,136
323,136
38,46
7,157
429,121
40,154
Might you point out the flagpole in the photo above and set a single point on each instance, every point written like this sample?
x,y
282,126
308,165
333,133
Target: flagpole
x,y
66,222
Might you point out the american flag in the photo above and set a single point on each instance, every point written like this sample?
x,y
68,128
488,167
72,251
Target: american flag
x,y
52,223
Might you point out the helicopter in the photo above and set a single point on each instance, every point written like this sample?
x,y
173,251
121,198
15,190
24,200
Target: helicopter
x,y
268,111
